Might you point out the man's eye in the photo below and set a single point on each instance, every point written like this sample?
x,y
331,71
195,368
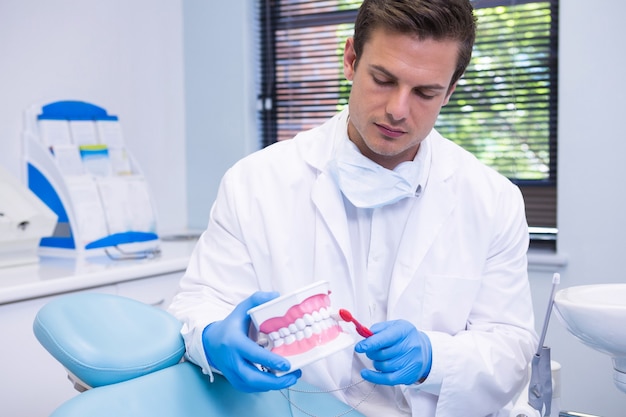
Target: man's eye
x,y
425,95
380,81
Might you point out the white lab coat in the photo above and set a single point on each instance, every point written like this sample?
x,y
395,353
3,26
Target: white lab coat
x,y
279,223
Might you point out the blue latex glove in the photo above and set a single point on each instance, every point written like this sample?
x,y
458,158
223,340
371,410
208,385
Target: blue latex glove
x,y
229,350
401,354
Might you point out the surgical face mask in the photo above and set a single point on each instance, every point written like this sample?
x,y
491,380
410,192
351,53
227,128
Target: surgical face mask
x,y
367,184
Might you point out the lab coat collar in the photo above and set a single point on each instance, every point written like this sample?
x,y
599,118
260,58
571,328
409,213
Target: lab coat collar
x,y
323,146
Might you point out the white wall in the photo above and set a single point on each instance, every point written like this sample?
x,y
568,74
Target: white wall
x,y
125,56
220,95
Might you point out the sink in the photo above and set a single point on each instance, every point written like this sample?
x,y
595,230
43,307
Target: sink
x,y
596,315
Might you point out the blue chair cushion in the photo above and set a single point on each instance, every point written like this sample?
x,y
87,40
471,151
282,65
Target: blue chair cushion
x,y
182,390
103,339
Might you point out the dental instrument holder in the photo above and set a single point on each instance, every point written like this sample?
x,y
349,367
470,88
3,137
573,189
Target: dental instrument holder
x,y
540,386
46,179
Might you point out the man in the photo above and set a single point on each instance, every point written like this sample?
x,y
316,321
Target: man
x,y
416,237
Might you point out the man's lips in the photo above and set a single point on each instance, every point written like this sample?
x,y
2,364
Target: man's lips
x,y
389,131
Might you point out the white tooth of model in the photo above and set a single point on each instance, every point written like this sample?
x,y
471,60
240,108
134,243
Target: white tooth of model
x,y
316,316
300,324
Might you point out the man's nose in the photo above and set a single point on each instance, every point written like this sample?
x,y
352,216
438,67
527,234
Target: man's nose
x,y
398,105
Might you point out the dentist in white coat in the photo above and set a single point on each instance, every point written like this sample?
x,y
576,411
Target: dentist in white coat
x,y
418,239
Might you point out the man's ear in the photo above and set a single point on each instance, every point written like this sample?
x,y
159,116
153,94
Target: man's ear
x,y
349,59
449,94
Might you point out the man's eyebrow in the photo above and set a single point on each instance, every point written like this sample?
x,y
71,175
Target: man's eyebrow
x,y
384,71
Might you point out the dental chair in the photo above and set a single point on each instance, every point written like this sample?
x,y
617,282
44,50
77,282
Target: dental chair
x,y
126,359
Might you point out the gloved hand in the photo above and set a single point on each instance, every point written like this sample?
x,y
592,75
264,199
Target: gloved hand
x,y
229,350
401,353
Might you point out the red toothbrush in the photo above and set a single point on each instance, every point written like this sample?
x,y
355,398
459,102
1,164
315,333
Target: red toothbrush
x,y
360,329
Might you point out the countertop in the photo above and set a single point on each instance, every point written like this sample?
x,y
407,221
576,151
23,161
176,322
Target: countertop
x,y
56,275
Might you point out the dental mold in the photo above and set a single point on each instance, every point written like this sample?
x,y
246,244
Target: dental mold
x,y
300,326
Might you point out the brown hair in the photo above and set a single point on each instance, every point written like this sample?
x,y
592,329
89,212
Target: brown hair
x,y
426,19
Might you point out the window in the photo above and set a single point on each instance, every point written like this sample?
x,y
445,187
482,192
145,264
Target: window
x,y
504,109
